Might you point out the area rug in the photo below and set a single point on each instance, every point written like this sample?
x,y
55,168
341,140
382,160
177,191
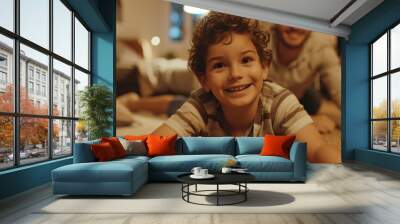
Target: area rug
x,y
167,198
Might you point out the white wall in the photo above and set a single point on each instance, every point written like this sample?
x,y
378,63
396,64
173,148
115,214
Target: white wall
x,y
145,19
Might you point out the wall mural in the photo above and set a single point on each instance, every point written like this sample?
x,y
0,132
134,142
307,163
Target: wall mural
x,y
226,76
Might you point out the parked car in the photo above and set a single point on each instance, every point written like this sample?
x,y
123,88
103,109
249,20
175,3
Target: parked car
x,y
25,154
38,152
22,155
10,157
57,152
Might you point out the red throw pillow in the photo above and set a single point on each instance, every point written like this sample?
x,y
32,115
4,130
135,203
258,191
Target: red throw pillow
x,y
277,145
103,151
161,145
116,145
136,137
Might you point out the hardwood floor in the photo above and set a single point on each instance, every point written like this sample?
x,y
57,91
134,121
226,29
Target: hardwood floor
x,y
377,188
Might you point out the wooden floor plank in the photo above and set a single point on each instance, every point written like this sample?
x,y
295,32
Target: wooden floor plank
x,y
375,189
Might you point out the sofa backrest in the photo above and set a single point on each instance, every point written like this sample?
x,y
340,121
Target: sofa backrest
x,y
249,145
191,146
83,152
205,145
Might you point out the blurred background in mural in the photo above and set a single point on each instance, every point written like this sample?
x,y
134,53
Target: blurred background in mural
x,y
153,38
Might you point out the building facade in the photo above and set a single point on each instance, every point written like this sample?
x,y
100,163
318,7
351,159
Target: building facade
x,y
34,80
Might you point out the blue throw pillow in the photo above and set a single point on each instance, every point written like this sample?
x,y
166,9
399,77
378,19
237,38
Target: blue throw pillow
x,y
249,145
206,145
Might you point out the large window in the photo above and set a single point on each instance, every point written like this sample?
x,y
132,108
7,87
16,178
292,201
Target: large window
x,y
44,64
385,91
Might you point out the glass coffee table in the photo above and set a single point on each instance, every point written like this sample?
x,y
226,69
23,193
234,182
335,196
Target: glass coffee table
x,y
238,179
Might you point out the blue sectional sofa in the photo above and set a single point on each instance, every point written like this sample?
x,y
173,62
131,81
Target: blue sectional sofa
x,y
125,176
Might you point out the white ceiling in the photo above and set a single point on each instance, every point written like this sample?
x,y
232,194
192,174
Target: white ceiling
x,y
317,15
320,9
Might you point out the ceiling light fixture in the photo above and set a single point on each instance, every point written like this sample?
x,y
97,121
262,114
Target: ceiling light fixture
x,y
155,41
194,10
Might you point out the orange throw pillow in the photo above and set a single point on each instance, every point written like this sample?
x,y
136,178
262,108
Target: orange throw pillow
x,y
161,145
135,137
103,152
277,145
116,145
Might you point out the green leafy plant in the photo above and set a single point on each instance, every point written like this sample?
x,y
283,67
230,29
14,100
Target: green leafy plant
x,y
96,104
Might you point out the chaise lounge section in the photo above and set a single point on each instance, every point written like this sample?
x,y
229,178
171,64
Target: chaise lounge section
x,y
88,177
125,176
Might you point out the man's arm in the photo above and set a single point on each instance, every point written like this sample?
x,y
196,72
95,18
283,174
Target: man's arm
x,y
330,70
164,130
318,151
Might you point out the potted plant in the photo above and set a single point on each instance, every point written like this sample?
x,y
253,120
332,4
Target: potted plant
x,y
96,103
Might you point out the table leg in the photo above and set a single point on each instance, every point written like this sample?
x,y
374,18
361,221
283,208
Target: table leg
x,y
188,189
196,188
182,189
217,194
245,191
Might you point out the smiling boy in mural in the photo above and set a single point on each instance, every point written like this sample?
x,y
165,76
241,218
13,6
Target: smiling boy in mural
x,y
230,58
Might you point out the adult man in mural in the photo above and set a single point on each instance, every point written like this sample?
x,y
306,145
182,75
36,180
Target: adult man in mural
x,y
307,63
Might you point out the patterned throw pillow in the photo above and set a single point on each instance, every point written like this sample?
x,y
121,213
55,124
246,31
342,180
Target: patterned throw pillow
x,y
134,147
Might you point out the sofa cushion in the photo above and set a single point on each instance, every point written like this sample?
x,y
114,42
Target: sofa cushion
x,y
111,171
257,163
131,158
205,145
185,163
249,145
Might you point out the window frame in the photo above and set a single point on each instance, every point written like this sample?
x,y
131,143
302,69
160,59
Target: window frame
x,y
3,71
3,77
16,115
388,74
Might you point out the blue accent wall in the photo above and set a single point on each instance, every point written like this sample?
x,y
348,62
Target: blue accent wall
x,y
356,85
99,16
103,52
24,178
356,98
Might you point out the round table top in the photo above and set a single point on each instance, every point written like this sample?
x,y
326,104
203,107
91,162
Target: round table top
x,y
220,178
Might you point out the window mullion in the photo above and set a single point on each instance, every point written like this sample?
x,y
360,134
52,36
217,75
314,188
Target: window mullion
x,y
73,82
389,106
50,81
371,98
16,84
